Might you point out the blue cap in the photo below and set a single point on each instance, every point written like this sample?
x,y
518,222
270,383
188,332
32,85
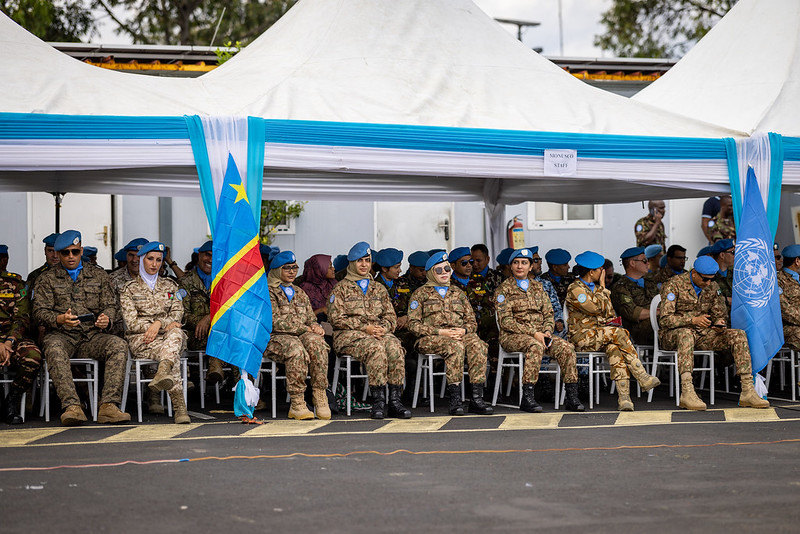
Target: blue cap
x,y
663,261
534,250
208,246
50,240
652,251
282,258
705,251
121,255
706,265
388,257
358,251
272,253
152,246
4,249
433,251
340,263
439,257
792,251
458,253
524,253
418,259
135,244
502,258
557,256
721,246
70,237
589,260
632,252
88,252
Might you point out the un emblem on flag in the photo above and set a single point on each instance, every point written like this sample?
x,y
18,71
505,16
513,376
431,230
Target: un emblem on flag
x,y
754,271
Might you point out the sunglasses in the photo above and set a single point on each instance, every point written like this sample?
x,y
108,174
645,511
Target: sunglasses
x,y
289,267
70,252
466,262
707,278
537,260
442,270
643,261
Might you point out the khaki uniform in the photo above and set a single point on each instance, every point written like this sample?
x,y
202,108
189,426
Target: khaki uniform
x,y
33,276
725,284
482,302
141,307
722,228
493,279
589,312
293,344
790,308
411,283
643,226
429,312
629,300
55,292
679,304
523,313
350,311
196,305
15,318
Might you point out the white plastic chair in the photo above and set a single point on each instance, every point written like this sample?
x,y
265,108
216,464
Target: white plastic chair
x,y
425,363
7,379
784,356
91,367
595,365
270,366
134,367
343,363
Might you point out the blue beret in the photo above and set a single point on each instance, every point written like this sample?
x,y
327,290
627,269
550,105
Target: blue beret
x,y
152,246
706,265
433,251
705,251
121,255
652,251
4,249
632,252
282,258
358,251
721,245
208,246
264,250
663,261
418,259
70,237
340,263
136,244
776,246
502,258
534,250
458,253
524,253
557,256
50,240
272,253
89,251
589,260
792,251
439,257
388,257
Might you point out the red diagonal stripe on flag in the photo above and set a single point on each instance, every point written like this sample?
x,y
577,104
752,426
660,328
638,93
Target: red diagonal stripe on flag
x,y
235,278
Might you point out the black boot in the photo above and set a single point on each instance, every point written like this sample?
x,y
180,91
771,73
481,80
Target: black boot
x,y
529,403
477,404
11,411
378,401
396,408
571,402
454,394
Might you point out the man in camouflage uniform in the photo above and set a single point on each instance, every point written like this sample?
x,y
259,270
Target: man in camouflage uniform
x,y
363,320
50,259
723,253
649,229
676,261
16,350
399,292
525,315
723,225
692,315
536,274
789,289
414,277
61,295
631,299
130,270
558,271
441,316
480,267
297,339
591,329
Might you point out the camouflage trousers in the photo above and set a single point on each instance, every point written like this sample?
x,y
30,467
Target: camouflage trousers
x,y
791,336
454,352
112,350
561,350
686,340
615,342
384,358
168,346
25,362
303,355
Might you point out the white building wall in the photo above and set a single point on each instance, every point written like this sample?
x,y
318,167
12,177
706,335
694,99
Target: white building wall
x,y
15,233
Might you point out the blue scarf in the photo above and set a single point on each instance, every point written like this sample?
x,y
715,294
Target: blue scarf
x,y
288,291
639,281
363,284
590,285
389,283
206,278
723,274
73,273
696,289
523,284
484,272
556,279
793,274
462,281
442,290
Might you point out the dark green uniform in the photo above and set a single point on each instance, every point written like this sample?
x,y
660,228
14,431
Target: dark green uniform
x,y
196,305
629,300
15,317
560,284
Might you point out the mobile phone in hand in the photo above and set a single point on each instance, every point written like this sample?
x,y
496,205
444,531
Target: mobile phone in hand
x,y
87,318
548,341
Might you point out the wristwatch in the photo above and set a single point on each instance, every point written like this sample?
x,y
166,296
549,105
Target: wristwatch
x,y
13,342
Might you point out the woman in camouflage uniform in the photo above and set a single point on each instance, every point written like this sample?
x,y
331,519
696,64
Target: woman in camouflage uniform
x,y
443,321
152,310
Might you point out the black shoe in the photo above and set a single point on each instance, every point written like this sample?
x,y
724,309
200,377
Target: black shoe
x,y
529,403
396,408
332,401
378,402
477,404
571,401
11,409
454,394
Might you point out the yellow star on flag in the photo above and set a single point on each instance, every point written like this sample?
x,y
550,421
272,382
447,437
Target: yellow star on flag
x,y
240,193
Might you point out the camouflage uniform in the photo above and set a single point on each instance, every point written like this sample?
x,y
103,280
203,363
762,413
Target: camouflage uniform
x,y
350,311
629,300
722,228
120,277
196,305
294,344
482,304
15,316
558,313
55,292
523,313
411,283
33,276
589,311
400,295
429,312
790,308
493,280
561,286
141,307
653,281
725,284
643,226
679,304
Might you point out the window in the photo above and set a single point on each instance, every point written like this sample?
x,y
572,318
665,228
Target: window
x,y
555,215
278,217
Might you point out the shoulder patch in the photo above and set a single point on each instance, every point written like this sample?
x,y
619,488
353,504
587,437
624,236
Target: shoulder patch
x,y
332,299
671,296
638,227
414,305
719,292
582,298
780,291
501,298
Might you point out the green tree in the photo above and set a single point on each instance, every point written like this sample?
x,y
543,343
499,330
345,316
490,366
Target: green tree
x,y
658,28
59,20
276,213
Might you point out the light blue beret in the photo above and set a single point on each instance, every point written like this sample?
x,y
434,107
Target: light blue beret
x,y
721,246
590,260
152,246
136,244
663,261
502,258
652,251
433,251
706,265
524,253
50,240
282,258
792,251
121,255
705,251
557,256
340,263
388,257
208,246
88,252
439,257
458,253
264,250
418,259
632,252
70,237
358,251
534,250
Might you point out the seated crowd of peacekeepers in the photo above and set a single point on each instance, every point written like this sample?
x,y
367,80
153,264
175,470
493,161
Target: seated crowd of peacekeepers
x,y
449,304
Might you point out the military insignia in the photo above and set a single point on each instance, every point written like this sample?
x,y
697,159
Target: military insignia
x,y
6,295
161,247
524,252
181,294
524,285
23,292
719,292
638,227
671,297
442,291
582,298
367,253
170,296
780,291
501,298
414,304
332,299
403,290
76,240
444,256
363,283
711,224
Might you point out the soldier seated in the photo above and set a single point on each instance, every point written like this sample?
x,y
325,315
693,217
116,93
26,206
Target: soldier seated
x,y
415,277
480,267
692,315
558,271
77,304
536,274
319,279
631,299
503,266
653,254
723,253
123,275
50,260
789,284
479,296
674,264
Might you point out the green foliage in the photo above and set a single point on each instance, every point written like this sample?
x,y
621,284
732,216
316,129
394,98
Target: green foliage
x,y
658,28
231,50
65,20
275,213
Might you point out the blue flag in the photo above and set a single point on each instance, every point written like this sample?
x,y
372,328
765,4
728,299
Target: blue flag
x,y
756,307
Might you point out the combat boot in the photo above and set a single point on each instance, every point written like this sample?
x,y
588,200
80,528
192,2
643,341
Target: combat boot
x,y
73,416
214,373
529,403
378,402
748,398
454,399
298,408
477,404
154,405
689,399
646,381
321,403
11,413
624,402
110,413
179,413
396,408
163,379
571,400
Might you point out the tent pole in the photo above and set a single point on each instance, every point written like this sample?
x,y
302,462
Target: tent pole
x,y
57,197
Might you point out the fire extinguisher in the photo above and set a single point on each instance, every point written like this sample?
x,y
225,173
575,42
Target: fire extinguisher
x,y
516,233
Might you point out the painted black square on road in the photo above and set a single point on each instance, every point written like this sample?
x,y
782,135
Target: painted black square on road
x,y
217,429
686,416
81,435
473,423
588,419
359,425
789,411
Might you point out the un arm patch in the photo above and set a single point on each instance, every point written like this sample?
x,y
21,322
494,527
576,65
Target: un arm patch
x,y
582,298
414,305
501,299
332,299
671,296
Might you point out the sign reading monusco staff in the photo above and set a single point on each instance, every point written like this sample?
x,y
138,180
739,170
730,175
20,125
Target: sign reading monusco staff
x,y
561,162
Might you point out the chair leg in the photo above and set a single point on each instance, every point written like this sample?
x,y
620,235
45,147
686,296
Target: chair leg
x,y
416,382
139,389
498,377
126,385
511,379
430,379
349,383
